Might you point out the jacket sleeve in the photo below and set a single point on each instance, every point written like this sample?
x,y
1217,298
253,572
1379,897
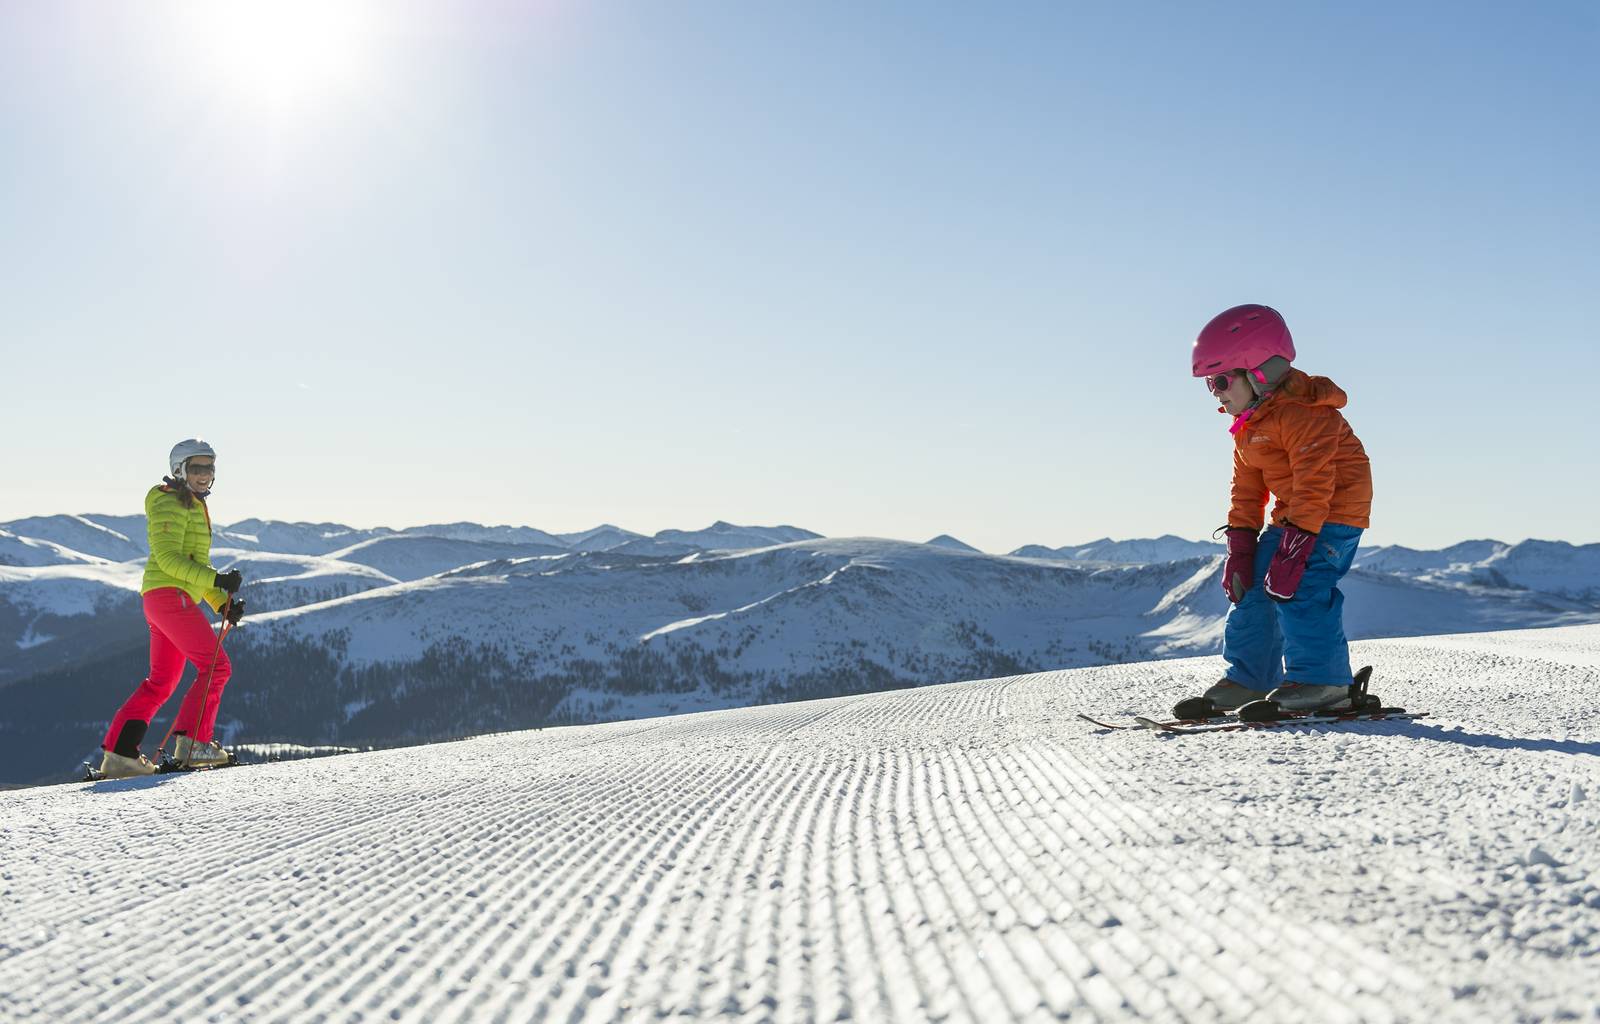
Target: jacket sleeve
x,y
165,518
1249,495
1311,441
216,597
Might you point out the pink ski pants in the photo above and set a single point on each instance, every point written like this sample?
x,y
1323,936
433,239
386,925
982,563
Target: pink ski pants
x,y
179,632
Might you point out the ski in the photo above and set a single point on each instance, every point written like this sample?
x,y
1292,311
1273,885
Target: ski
x,y
168,765
1306,718
1229,720
1113,725
1145,722
165,766
1198,714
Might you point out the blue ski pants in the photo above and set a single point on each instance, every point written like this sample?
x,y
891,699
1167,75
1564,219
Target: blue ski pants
x,y
1302,640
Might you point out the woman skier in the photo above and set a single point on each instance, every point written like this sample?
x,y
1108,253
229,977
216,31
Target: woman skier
x,y
177,577
1284,638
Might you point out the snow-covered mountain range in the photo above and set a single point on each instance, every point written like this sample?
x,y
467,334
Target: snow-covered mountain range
x,y
372,636
964,852
1166,548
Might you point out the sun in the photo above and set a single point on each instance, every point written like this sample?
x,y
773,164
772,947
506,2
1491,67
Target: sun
x,y
283,55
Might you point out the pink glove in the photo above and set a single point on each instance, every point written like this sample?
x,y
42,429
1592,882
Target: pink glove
x,y
1241,565
1289,563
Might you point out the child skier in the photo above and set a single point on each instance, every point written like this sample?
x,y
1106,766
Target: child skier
x,y
177,577
1284,639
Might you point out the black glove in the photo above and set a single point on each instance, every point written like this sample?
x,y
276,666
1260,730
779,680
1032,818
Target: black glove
x,y
236,611
230,581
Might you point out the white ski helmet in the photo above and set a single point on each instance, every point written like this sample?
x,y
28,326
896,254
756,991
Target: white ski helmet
x,y
183,451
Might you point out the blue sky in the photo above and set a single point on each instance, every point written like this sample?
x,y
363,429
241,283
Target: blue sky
x,y
893,269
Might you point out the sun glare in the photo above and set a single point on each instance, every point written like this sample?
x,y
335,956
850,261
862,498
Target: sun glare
x,y
283,55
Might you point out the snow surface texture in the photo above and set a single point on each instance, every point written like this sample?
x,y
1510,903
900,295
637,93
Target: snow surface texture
x,y
965,852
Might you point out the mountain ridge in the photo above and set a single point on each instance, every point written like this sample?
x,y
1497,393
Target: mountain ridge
x,y
404,635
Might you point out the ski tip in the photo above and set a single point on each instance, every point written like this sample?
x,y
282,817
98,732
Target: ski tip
x,y
1099,724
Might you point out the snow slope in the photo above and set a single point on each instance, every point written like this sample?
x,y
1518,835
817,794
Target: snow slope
x,y
336,652
292,538
601,538
725,536
828,605
1553,567
49,613
966,852
1166,548
81,535
414,556
49,540
1397,558
513,535
69,589
15,550
275,580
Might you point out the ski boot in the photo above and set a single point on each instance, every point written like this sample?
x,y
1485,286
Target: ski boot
x,y
1293,699
189,754
1309,697
117,766
1224,696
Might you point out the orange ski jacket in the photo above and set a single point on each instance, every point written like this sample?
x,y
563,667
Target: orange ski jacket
x,y
1297,446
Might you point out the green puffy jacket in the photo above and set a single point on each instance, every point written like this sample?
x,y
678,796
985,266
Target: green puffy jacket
x,y
180,547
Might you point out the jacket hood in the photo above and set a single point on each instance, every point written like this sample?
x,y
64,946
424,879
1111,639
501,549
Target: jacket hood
x,y
1303,389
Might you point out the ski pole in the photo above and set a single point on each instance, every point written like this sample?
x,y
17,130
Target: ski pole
x,y
205,694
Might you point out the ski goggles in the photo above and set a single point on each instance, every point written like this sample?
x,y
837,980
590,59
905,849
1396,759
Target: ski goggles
x,y
201,468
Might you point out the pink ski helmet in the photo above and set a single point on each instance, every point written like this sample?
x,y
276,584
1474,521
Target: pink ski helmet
x,y
1243,337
